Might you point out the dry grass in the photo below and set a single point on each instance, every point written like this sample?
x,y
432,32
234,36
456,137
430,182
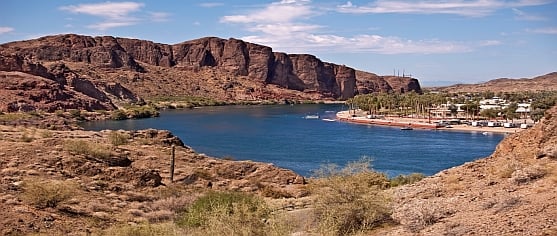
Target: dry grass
x,y
48,193
454,183
422,213
162,229
117,138
231,213
350,200
83,147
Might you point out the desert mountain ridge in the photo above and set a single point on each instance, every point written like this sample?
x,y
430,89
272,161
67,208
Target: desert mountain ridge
x,y
77,71
547,82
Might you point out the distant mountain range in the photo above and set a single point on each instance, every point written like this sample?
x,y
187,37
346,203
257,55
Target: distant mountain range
x,y
546,82
75,71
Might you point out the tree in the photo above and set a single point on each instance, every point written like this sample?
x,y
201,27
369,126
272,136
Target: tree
x,y
489,113
453,109
537,114
510,111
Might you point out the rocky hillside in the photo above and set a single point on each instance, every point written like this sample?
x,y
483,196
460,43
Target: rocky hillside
x,y
79,182
546,82
113,70
512,192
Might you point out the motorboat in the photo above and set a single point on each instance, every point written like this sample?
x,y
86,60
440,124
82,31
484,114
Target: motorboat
x,y
311,117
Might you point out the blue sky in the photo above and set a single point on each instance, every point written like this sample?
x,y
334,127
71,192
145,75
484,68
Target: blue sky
x,y
433,40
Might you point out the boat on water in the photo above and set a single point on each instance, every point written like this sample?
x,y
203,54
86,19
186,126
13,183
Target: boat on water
x,y
406,128
311,117
329,120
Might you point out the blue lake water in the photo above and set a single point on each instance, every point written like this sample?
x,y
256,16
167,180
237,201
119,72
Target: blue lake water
x,y
281,135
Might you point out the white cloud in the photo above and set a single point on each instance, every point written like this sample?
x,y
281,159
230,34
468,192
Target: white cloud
x,y
111,10
159,16
549,30
211,4
4,30
108,25
521,15
282,26
475,8
114,14
305,43
284,11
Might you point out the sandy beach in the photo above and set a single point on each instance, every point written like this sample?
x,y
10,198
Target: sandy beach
x,y
416,123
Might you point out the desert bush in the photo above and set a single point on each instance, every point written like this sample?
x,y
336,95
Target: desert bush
x,y
118,115
507,170
14,116
163,229
406,179
48,193
117,138
46,134
230,213
26,138
350,200
75,113
88,149
420,213
141,112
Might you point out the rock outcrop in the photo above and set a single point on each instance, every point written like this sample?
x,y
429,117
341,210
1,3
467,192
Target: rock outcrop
x,y
512,192
104,68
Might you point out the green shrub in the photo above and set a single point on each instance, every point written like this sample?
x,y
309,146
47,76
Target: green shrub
x,y
75,113
350,200
406,179
138,112
116,138
48,193
230,213
164,229
118,115
46,134
88,149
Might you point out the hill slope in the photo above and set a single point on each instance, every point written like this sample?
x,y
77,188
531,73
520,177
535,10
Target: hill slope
x,y
222,69
512,192
546,82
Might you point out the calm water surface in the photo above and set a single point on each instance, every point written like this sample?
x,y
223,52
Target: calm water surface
x,y
281,135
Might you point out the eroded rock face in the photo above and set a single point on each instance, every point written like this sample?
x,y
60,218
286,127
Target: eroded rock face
x,y
368,83
84,64
26,92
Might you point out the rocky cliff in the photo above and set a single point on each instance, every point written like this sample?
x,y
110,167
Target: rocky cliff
x,y
224,69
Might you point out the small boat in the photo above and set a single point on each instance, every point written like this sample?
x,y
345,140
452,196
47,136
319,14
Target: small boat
x,y
485,133
311,117
406,128
329,120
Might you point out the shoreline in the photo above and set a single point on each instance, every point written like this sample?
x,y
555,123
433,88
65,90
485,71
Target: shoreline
x,y
416,123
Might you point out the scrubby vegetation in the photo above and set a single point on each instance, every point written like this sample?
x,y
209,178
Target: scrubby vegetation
x,y
134,112
83,147
350,200
47,193
117,138
231,213
406,179
184,101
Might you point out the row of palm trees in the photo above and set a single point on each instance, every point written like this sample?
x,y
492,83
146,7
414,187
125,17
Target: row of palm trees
x,y
421,104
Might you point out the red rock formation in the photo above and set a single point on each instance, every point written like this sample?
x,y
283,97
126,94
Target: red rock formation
x,y
26,92
93,59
